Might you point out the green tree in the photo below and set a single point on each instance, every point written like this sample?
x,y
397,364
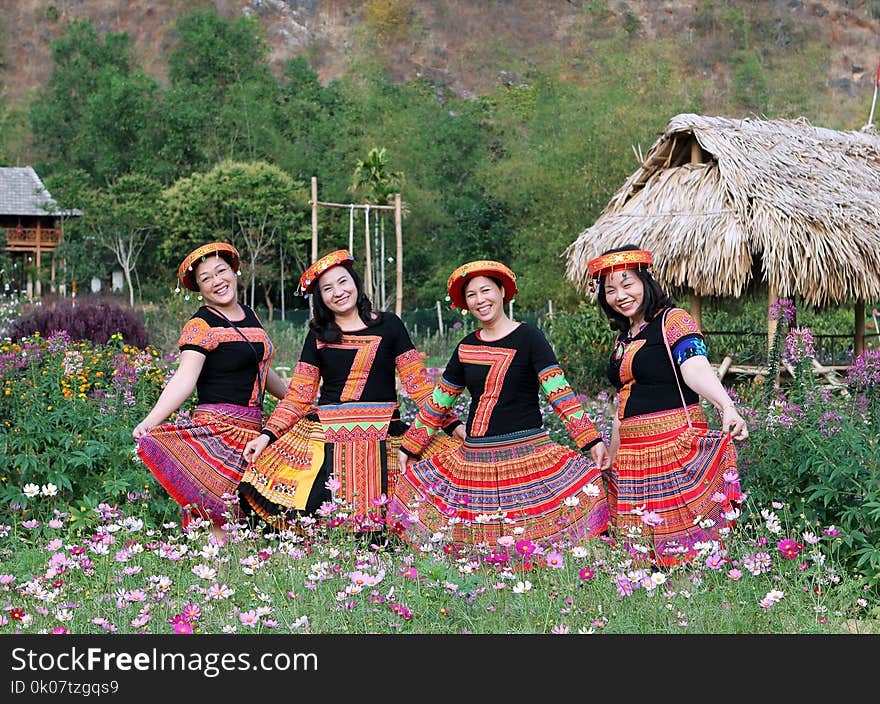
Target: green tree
x,y
94,106
122,218
253,205
221,100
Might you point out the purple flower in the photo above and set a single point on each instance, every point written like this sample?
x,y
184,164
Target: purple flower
x,y
799,345
783,308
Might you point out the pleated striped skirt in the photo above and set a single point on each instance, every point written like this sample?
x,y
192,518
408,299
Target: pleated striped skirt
x,y
521,485
199,460
672,487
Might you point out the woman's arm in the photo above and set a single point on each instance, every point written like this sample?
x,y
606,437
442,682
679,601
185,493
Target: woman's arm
x,y
615,437
275,384
699,376
178,389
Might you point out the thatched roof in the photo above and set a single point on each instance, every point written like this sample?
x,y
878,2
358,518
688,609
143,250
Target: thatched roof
x,y
800,203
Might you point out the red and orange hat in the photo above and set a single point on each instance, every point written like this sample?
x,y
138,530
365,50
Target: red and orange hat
x,y
481,267
617,261
313,273
187,266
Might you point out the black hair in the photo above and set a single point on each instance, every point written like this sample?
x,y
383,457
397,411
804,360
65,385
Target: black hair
x,y
323,322
654,298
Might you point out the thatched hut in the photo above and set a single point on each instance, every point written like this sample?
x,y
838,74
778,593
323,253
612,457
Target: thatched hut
x,y
721,202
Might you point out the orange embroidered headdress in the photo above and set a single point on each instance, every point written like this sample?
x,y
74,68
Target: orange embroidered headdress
x,y
187,267
313,273
482,267
617,261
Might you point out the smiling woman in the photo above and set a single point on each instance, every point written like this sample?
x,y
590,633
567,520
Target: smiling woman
x,y
508,478
338,428
224,356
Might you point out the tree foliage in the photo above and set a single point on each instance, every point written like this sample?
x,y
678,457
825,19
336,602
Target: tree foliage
x,y
253,205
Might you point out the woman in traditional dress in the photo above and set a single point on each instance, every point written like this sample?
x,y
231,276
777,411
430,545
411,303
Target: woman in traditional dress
x,y
673,482
225,356
352,435
508,479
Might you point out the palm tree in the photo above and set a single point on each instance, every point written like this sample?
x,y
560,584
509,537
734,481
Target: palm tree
x,y
374,180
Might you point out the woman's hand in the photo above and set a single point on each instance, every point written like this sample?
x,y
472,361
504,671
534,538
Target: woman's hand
x,y
600,456
460,433
254,448
732,422
141,429
404,461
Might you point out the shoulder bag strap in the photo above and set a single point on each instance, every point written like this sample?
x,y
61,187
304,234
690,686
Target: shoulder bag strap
x,y
674,368
260,388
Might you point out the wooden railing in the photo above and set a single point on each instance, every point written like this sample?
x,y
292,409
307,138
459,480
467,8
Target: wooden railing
x,y
27,239
830,349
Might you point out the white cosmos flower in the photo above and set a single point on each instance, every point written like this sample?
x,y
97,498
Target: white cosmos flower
x,y
31,490
522,587
591,490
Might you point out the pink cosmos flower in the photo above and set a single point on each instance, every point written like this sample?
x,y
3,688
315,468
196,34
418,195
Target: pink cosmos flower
x,y
789,548
525,547
249,618
831,530
715,561
333,484
586,573
555,560
183,627
731,476
652,519
59,631
735,574
411,573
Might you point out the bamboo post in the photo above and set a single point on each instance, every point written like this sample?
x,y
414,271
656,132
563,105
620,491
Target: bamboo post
x,y
281,261
696,309
382,265
724,367
859,341
771,321
549,308
314,219
398,231
439,318
368,267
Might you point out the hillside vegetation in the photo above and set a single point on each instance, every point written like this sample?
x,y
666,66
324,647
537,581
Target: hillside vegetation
x,y
509,123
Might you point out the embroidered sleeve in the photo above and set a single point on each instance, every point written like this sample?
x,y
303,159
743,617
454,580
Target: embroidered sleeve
x,y
431,417
297,402
197,335
418,384
684,336
560,394
567,407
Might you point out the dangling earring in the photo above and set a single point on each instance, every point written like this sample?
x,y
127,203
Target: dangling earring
x,y
199,297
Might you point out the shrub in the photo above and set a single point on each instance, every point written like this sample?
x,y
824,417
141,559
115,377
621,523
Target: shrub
x,y
95,321
582,341
68,409
820,446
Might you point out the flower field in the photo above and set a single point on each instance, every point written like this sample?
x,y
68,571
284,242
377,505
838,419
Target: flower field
x,y
89,543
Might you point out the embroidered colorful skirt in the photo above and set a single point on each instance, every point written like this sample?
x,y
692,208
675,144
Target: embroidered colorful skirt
x,y
199,460
354,443
491,486
672,486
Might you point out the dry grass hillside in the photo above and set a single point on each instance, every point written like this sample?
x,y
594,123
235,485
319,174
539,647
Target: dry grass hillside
x,y
469,46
